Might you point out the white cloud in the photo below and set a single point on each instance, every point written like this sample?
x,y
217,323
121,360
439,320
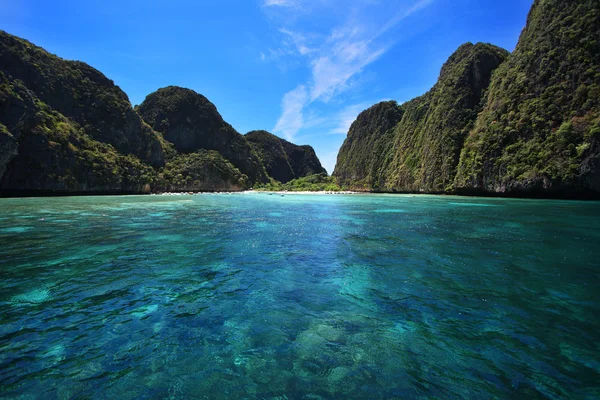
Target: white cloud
x,y
292,118
280,3
403,15
417,6
298,41
341,59
331,73
334,59
292,46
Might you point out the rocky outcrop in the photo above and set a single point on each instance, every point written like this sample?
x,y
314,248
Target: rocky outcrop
x,y
416,146
524,124
83,95
203,170
8,148
539,131
369,140
303,159
16,113
41,150
191,122
274,157
66,128
283,160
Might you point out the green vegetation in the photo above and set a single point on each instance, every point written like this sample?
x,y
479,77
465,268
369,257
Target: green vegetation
x,y
191,122
57,154
312,183
521,123
367,145
81,94
283,160
416,146
202,170
538,128
65,127
527,125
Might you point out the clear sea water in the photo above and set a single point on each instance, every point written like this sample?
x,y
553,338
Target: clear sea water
x,y
299,297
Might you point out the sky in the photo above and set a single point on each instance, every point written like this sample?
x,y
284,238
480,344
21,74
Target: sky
x,y
301,69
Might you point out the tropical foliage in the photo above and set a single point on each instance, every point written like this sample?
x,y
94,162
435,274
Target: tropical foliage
x,y
416,146
527,123
283,160
540,122
312,183
65,127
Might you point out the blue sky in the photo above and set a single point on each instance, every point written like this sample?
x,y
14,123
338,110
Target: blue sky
x,y
302,69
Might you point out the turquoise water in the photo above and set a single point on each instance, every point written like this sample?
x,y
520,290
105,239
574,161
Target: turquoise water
x,y
314,297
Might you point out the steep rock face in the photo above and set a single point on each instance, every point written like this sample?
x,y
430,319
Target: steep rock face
x,y
431,134
191,122
65,128
270,149
8,148
368,142
416,146
82,94
303,159
44,151
533,131
283,160
16,110
540,129
48,152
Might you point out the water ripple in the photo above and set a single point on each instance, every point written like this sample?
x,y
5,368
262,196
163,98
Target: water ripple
x,y
256,296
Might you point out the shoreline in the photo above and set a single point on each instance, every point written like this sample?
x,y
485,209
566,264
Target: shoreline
x,y
581,196
310,192
266,192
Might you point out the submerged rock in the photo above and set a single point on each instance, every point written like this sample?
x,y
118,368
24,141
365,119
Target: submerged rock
x,y
35,296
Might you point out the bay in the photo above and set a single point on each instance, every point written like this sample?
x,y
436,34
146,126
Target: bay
x,y
299,296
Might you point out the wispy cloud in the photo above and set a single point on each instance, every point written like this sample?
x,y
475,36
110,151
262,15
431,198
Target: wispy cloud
x,y
281,3
419,5
292,118
331,73
298,40
335,59
292,47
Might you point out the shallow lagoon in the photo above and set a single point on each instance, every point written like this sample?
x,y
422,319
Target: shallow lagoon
x,y
258,296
